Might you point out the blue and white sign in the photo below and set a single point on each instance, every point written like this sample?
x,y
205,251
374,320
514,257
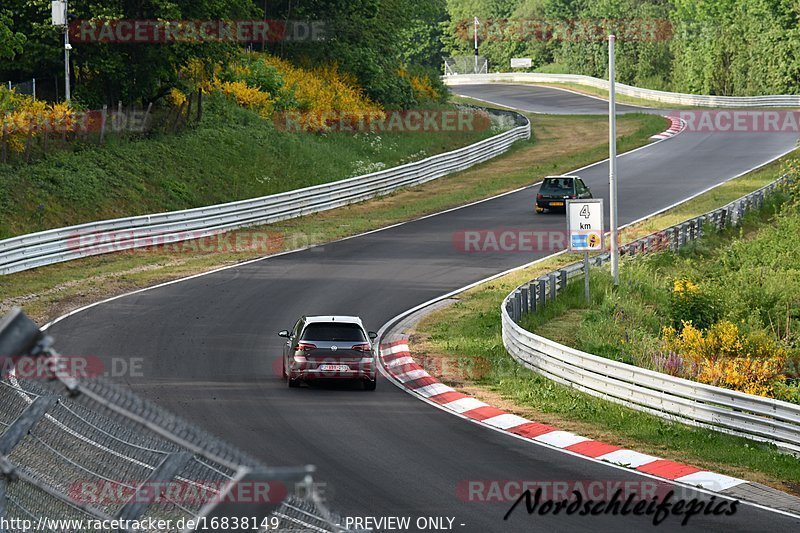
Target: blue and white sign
x,y
585,225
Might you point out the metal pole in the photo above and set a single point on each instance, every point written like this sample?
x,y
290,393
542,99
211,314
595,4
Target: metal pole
x,y
34,88
586,275
66,53
612,160
477,23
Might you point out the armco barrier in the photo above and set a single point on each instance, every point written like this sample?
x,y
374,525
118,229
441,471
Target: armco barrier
x,y
669,397
58,245
664,97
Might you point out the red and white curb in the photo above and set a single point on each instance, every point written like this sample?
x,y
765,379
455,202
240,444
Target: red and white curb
x,y
676,126
400,366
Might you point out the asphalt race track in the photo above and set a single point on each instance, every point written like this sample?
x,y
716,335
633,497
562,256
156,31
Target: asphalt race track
x,y
536,99
210,346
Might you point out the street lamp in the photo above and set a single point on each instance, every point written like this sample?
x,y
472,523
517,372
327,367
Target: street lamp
x,y
59,13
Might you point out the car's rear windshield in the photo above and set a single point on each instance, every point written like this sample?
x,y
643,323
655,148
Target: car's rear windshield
x,y
333,332
557,185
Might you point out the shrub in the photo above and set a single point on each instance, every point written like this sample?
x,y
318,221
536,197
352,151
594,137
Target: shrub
x,y
746,374
689,304
247,96
21,114
724,357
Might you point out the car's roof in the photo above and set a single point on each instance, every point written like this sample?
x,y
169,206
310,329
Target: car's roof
x,y
334,318
561,177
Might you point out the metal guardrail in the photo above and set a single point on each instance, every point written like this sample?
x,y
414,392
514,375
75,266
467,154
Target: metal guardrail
x,y
87,450
664,97
678,399
73,242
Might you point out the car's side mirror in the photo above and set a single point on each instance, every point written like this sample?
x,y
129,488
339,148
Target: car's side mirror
x,y
372,335
283,333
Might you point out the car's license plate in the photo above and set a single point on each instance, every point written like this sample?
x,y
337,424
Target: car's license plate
x,y
557,204
334,368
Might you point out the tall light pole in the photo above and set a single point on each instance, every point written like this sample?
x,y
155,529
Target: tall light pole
x,y
612,160
59,16
477,23
67,48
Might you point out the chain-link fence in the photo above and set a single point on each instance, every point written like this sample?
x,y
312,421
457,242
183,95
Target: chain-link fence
x,y
91,451
466,65
24,87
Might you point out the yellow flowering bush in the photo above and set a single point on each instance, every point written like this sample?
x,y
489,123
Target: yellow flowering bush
x,y
176,97
689,304
746,374
21,114
322,90
248,97
685,286
423,90
267,84
723,356
196,74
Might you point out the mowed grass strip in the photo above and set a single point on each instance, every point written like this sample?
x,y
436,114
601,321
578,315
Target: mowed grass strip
x,y
559,144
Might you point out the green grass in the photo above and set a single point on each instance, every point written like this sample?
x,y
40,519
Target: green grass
x,y
470,331
231,155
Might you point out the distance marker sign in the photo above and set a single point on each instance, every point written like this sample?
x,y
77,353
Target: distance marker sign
x,y
585,225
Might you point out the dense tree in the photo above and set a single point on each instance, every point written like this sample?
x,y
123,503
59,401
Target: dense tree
x,y
736,47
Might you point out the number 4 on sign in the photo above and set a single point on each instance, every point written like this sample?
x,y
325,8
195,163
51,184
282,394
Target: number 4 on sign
x,y
585,212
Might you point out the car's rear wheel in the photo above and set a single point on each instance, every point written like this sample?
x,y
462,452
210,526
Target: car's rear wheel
x,y
370,385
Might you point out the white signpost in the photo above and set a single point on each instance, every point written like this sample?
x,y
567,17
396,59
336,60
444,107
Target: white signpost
x,y
521,62
585,231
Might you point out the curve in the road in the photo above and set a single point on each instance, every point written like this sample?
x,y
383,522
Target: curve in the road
x,y
209,345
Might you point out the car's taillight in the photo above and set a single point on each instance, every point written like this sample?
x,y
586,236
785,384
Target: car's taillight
x,y
572,196
362,347
538,196
303,346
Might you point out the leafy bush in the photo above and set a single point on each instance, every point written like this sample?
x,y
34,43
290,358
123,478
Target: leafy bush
x,y
688,304
22,115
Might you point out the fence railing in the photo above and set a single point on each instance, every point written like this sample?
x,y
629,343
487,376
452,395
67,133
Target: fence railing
x,y
64,244
24,87
663,97
678,399
84,449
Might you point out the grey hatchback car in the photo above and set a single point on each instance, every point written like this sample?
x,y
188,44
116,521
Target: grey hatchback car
x,y
329,347
556,190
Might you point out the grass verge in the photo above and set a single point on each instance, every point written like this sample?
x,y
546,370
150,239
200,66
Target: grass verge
x,y
559,144
233,154
467,335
